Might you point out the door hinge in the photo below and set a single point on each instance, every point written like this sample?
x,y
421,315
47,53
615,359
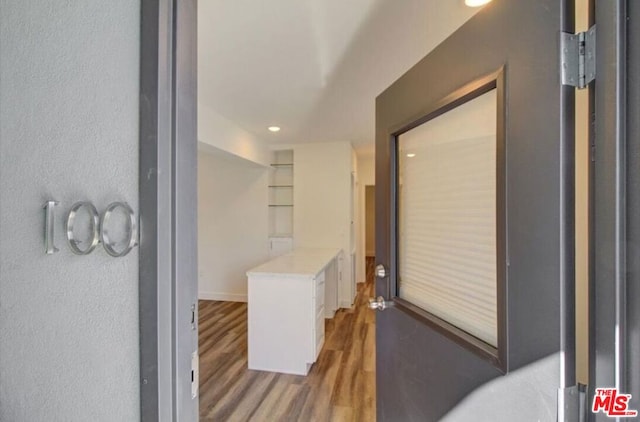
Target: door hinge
x,y
572,403
578,58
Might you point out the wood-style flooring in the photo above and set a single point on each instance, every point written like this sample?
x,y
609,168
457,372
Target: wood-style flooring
x,y
339,387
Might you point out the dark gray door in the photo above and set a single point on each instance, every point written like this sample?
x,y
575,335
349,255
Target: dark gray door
x,y
432,353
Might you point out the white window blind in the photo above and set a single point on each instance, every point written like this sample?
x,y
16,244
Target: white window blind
x,y
447,217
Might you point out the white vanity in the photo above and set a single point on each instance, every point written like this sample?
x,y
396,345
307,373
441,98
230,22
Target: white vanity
x,y
289,299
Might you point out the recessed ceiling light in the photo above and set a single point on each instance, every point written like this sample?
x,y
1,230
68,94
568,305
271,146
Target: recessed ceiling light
x,y
274,128
476,3
411,155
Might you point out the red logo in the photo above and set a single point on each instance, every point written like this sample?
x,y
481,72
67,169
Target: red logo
x,y
612,404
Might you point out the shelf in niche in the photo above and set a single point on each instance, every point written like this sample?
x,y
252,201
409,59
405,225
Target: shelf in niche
x,y
281,205
280,186
282,165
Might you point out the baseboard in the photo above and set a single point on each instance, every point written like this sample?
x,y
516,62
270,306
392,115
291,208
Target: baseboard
x,y
223,297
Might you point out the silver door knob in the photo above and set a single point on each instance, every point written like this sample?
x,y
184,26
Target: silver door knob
x,y
381,271
378,303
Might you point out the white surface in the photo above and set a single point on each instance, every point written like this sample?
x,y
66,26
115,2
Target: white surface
x,y
313,67
223,297
217,131
69,75
321,217
302,262
281,221
447,262
232,224
279,246
287,309
331,272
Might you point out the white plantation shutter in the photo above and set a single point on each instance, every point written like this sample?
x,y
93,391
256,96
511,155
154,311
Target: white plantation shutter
x,y
447,217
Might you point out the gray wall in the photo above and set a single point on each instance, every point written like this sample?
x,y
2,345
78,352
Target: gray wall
x,y
68,131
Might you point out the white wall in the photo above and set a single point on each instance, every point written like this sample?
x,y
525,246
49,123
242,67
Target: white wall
x,y
69,75
217,131
321,216
232,223
366,177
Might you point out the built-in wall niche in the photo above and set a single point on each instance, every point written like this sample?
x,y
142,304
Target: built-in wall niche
x,y
281,194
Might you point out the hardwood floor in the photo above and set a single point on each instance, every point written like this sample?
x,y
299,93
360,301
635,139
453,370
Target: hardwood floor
x,y
339,387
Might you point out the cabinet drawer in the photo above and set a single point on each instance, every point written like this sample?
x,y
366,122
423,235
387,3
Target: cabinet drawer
x,y
320,287
319,301
319,314
320,282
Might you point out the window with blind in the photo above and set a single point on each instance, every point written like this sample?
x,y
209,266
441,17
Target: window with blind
x,y
447,218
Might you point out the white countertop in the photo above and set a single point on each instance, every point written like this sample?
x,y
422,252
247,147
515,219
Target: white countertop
x,y
306,262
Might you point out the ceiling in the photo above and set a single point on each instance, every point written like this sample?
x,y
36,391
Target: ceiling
x,y
313,67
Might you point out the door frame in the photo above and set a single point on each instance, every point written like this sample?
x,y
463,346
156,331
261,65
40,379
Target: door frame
x,y
168,194
614,355
167,183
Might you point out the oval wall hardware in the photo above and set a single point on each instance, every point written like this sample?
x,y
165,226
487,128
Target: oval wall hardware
x,y
95,228
100,229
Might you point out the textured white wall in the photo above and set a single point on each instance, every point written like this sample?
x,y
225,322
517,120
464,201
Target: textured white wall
x,y
232,224
321,194
68,131
217,131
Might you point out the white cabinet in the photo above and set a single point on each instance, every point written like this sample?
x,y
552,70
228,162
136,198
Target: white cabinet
x,y
287,311
319,303
279,246
332,274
